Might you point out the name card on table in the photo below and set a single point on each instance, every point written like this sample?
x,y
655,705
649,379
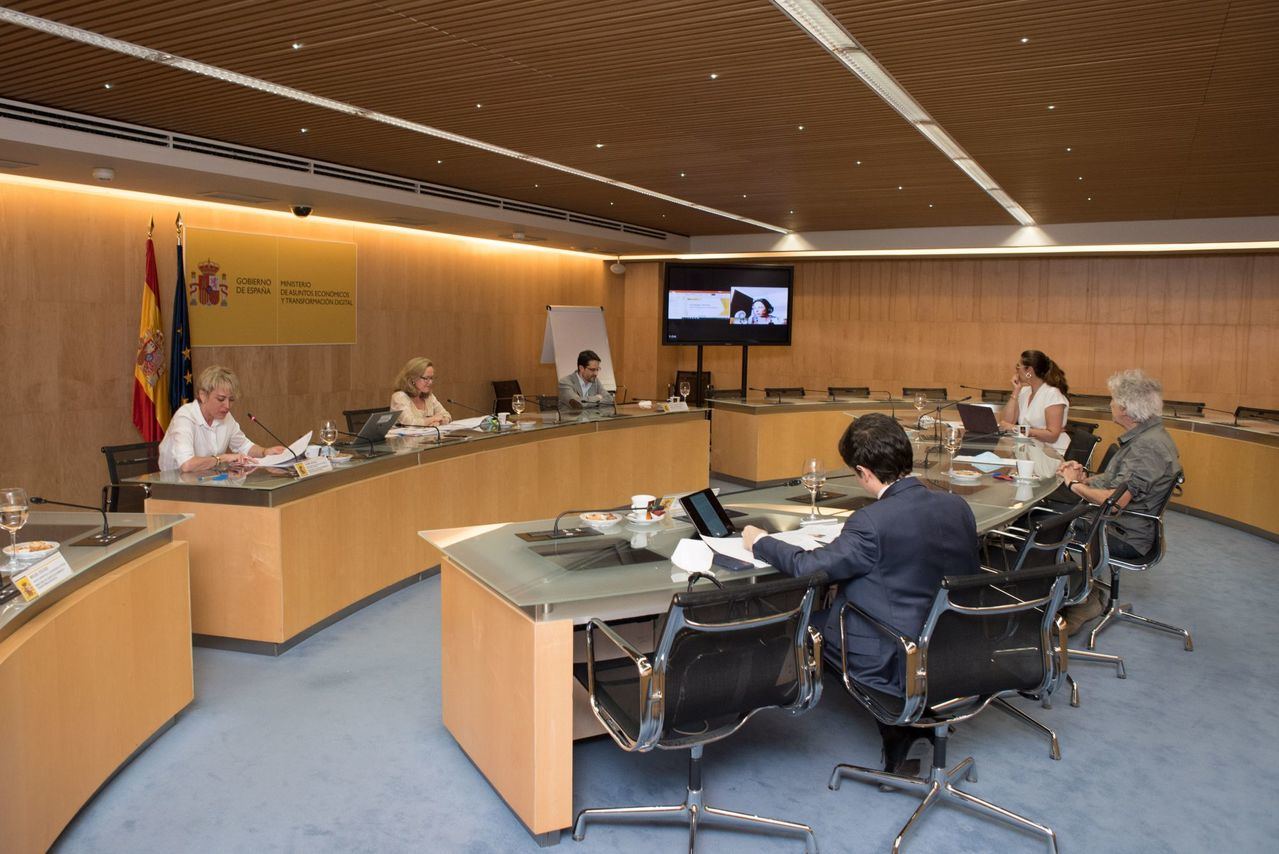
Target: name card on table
x,y
42,576
675,406
312,466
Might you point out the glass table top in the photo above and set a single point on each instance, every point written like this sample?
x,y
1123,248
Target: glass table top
x,y
628,567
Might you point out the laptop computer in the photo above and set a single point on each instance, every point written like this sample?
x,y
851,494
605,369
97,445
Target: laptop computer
x,y
978,420
374,430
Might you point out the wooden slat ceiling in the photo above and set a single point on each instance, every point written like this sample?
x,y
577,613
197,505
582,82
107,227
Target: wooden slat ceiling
x,y
1167,105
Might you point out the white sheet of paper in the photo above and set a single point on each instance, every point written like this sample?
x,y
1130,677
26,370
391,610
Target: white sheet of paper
x,y
986,457
463,424
295,450
732,546
692,556
811,536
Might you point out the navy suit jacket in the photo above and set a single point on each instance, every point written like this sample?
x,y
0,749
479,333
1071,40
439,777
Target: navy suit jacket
x,y
889,560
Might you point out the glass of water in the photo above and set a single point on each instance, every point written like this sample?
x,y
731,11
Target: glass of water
x,y
812,477
328,435
684,389
13,515
517,405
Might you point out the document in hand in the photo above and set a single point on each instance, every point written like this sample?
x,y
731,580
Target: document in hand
x,y
811,536
295,450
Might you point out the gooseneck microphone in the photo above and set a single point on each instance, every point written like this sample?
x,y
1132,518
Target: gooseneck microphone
x,y
107,536
467,406
254,419
945,404
888,398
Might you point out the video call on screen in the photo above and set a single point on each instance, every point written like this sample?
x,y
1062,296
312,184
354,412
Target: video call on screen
x,y
728,305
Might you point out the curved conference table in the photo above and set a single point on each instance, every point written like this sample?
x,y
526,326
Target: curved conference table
x,y
90,671
512,614
1232,470
275,558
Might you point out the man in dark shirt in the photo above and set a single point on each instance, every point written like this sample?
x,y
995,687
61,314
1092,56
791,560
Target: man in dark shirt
x,y
889,560
1147,461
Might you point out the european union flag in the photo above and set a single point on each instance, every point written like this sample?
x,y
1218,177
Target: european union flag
x,y
181,381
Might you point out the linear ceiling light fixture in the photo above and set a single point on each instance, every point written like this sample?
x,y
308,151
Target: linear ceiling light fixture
x,y
813,18
160,57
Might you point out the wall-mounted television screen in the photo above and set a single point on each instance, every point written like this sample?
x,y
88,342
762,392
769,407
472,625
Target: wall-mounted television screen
x,y
727,304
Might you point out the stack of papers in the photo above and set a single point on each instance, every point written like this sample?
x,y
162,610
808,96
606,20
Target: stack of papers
x,y
283,459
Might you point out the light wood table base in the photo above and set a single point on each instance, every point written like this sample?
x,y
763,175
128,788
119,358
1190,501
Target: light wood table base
x,y
86,683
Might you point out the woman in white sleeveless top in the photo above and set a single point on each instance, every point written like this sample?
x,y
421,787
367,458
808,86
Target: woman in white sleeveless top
x,y
1039,400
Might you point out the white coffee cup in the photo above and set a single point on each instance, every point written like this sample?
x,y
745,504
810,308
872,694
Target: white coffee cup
x,y
641,501
1025,469
1023,430
501,418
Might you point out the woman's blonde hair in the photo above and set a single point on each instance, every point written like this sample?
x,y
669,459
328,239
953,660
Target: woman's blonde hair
x,y
216,375
408,375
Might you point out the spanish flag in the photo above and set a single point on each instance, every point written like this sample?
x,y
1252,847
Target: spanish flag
x,y
151,411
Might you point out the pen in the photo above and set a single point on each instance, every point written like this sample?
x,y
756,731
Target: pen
x,y
221,476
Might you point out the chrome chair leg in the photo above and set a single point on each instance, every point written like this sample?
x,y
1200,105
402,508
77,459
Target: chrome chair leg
x,y
1109,615
1074,691
940,786
996,811
1126,613
1008,708
1089,655
697,810
810,841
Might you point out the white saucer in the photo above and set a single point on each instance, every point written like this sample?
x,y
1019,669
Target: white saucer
x,y
25,553
963,478
641,522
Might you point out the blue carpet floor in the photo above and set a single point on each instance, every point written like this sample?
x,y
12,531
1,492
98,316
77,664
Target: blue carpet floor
x,y
337,746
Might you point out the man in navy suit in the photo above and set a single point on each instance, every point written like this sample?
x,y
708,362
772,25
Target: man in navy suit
x,y
889,560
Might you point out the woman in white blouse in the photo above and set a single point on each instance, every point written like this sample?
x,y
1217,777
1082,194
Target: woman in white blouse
x,y
413,397
1038,400
203,435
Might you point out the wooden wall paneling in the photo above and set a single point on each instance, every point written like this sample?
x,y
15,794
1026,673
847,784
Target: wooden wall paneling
x,y
72,283
84,684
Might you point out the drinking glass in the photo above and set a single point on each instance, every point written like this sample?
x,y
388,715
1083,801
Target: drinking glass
x,y
812,477
517,405
951,440
13,515
328,435
921,402
684,389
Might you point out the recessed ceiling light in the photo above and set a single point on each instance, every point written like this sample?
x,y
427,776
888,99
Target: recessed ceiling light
x,y
610,203
302,129
681,174
743,195
899,186
1090,198
714,76
599,145
1025,40
536,186
801,127
930,204
790,212
106,85
1080,178
297,45
479,106
859,163
438,162
1068,149
1052,106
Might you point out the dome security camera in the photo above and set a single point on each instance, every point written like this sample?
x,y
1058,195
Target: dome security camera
x,y
617,267
301,210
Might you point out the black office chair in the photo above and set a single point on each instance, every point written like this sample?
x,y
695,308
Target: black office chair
x,y
988,635
355,418
931,393
696,386
1179,408
129,461
723,655
783,391
503,391
1082,443
836,391
1116,611
995,395
1090,426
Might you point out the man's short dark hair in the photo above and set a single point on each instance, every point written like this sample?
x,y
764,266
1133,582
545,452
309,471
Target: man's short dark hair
x,y
585,357
879,444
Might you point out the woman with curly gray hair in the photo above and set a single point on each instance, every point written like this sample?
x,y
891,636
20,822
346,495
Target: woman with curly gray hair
x,y
1146,460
